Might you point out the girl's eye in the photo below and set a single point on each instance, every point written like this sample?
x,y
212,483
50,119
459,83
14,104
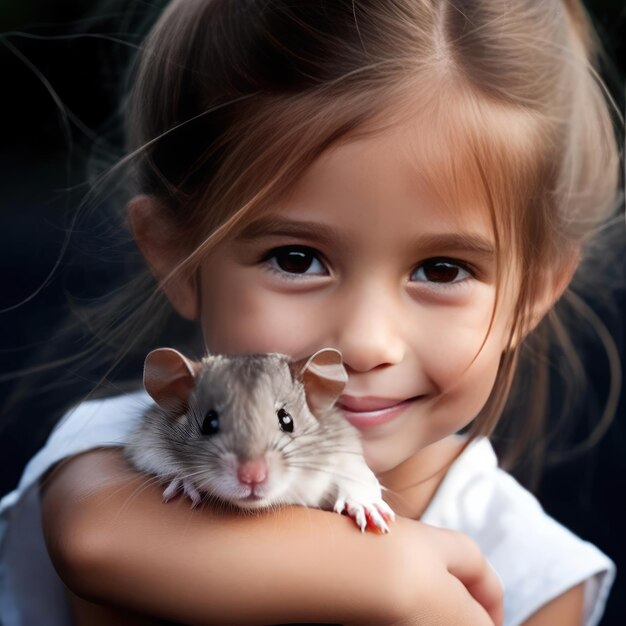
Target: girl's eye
x,y
285,421
211,423
440,270
295,260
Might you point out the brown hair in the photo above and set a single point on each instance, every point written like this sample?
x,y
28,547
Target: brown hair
x,y
232,101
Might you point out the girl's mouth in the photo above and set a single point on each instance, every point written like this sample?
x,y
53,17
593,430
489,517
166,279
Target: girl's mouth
x,y
373,417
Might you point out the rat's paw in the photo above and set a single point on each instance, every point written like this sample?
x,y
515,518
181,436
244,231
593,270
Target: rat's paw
x,y
171,489
366,514
188,489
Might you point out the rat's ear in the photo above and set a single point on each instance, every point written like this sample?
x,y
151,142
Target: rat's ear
x,y
156,239
169,377
323,376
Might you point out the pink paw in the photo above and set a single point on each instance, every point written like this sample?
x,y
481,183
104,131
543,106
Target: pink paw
x,y
374,515
188,489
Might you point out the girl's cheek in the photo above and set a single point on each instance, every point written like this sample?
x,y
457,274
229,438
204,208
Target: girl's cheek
x,y
449,362
450,344
240,317
464,372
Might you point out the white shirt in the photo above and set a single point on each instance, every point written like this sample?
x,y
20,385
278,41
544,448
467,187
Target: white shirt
x,y
536,558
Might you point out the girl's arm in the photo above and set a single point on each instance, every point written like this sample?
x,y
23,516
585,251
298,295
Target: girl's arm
x,y
85,613
114,542
566,609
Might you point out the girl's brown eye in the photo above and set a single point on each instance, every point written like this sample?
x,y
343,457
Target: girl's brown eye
x,y
441,271
295,260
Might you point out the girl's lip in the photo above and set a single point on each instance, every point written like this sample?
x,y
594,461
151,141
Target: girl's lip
x,y
365,419
367,403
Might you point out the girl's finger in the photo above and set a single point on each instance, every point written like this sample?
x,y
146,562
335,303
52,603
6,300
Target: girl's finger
x,y
466,562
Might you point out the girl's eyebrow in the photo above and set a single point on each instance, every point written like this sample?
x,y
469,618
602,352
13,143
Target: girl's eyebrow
x,y
456,241
268,226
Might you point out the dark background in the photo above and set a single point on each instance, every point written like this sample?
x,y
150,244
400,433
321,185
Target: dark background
x,y
61,65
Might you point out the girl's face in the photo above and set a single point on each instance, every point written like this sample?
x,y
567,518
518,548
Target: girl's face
x,y
359,259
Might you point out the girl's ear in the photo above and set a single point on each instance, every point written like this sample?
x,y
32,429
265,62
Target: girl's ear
x,y
169,377
555,282
157,241
323,376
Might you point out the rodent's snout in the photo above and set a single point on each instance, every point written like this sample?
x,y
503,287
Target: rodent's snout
x,y
252,472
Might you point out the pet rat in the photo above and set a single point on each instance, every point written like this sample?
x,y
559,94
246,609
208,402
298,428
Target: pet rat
x,y
255,431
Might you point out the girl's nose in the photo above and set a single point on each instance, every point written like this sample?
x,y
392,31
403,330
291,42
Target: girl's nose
x,y
369,332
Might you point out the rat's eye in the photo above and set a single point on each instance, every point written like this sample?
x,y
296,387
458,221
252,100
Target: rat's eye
x,y
285,420
211,423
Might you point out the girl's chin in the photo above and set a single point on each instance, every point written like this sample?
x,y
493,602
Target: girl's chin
x,y
382,458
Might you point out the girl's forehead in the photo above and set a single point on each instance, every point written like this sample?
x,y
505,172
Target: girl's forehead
x,y
472,162
459,165
385,181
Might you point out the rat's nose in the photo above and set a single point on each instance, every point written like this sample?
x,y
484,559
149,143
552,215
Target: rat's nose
x,y
252,472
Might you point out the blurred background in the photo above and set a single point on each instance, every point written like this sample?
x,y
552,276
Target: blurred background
x,y
62,65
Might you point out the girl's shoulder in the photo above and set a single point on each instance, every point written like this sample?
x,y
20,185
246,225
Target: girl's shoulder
x,y
103,422
535,556
97,423
93,420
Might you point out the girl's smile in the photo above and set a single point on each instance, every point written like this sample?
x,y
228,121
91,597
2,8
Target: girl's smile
x,y
359,258
369,412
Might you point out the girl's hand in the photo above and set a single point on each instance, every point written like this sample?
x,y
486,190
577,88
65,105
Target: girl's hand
x,y
464,587
114,542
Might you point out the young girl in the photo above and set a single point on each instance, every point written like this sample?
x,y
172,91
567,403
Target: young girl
x,y
412,182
